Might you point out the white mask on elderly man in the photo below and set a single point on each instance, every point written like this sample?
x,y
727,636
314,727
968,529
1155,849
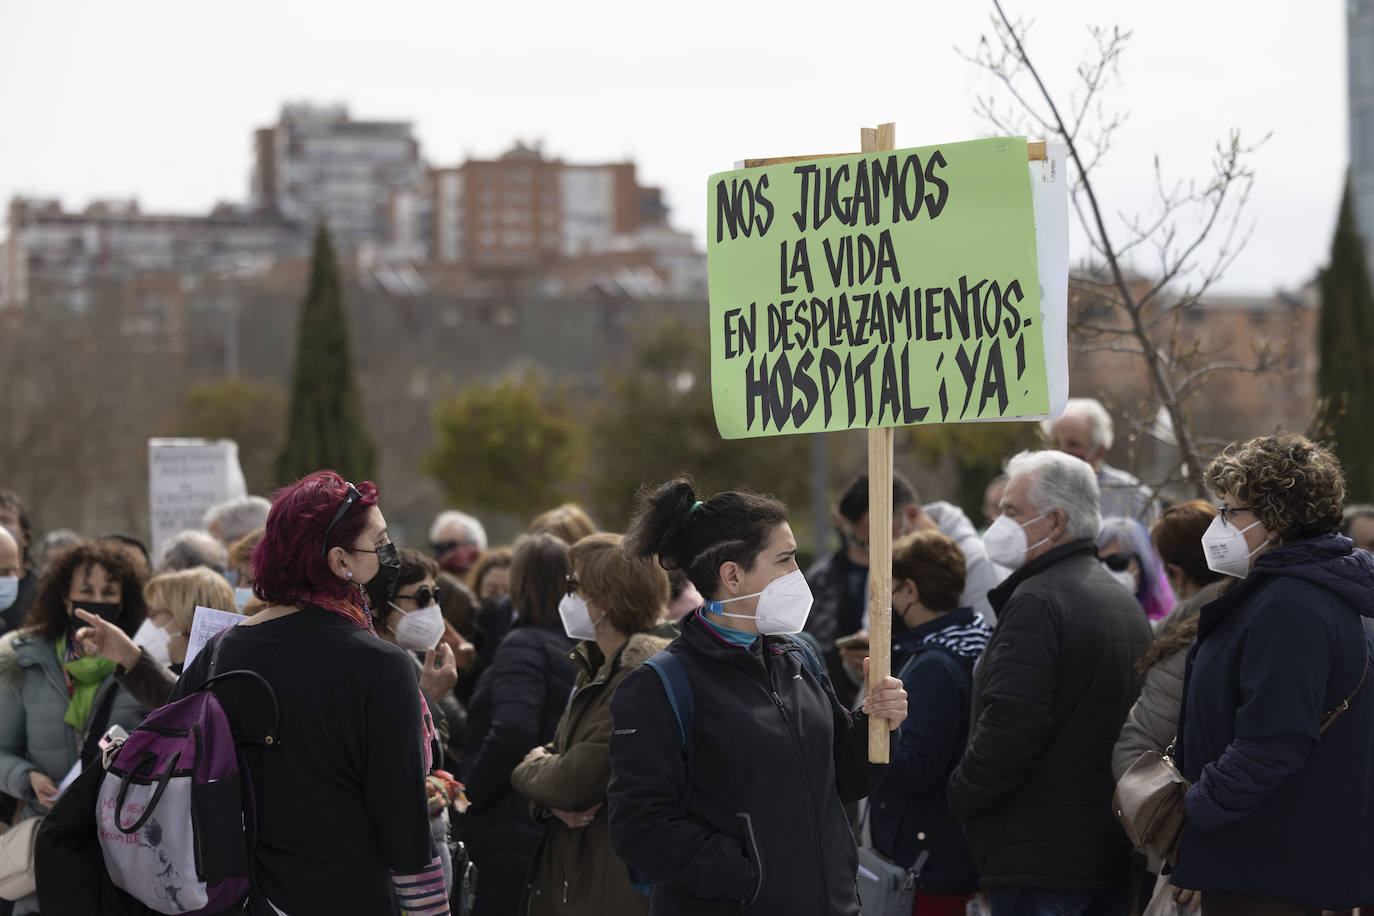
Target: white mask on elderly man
x,y
1005,541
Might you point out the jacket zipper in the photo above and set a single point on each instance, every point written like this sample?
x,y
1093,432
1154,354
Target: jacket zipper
x,y
806,776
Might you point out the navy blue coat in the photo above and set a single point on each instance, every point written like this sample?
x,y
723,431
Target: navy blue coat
x,y
908,813
774,756
1277,807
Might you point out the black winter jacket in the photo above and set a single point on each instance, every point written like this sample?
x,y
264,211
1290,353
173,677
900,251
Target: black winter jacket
x,y
1034,787
1277,806
516,706
774,757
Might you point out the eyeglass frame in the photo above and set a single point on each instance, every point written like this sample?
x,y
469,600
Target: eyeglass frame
x,y
571,583
349,499
429,594
1222,510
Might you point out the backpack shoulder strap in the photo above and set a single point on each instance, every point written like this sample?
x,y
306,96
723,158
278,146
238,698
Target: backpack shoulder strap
x,y
809,659
679,690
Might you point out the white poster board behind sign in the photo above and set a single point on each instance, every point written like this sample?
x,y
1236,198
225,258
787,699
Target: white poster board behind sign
x,y
186,477
1050,202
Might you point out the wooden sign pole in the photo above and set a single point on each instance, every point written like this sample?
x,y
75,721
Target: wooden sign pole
x,y
879,528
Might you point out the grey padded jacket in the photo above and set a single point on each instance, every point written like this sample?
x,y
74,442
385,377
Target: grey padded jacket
x,y
33,699
1153,721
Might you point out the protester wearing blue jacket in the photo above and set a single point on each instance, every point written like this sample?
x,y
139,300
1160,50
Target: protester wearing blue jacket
x,y
1279,813
934,658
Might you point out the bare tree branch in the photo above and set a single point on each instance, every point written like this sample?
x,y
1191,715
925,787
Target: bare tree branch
x,y
1194,230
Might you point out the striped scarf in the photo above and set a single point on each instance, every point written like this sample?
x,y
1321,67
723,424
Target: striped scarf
x,y
968,640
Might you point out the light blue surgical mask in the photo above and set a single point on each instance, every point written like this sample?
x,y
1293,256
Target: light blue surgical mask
x,y
242,595
9,591
232,575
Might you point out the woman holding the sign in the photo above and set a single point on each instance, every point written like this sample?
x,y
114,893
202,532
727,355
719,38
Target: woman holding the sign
x,y
731,758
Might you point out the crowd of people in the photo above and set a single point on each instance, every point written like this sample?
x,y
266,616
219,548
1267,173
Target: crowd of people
x,y
676,719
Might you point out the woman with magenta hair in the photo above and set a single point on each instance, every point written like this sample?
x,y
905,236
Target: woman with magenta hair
x,y
1123,546
341,813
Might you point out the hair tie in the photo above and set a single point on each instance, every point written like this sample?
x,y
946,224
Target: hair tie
x,y
695,506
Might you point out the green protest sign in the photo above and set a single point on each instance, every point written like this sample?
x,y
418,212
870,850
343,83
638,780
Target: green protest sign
x,y
879,289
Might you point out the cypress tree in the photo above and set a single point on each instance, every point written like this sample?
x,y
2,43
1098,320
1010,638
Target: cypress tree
x,y
325,424
1345,339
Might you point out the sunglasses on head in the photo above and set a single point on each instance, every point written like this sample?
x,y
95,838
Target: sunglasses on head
x,y
352,497
1116,562
423,596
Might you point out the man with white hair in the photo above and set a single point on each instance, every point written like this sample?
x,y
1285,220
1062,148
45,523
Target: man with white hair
x,y
1084,430
457,540
1034,786
232,519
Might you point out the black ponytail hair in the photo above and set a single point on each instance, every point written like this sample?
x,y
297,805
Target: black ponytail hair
x,y
696,536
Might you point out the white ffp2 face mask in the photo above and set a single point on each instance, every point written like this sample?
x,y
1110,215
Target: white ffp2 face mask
x,y
153,639
1226,548
577,617
419,630
783,607
1005,541
1124,577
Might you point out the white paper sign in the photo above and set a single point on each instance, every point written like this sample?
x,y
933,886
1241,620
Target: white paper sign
x,y
206,623
186,477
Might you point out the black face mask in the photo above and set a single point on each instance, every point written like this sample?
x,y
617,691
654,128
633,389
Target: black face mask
x,y
103,610
381,586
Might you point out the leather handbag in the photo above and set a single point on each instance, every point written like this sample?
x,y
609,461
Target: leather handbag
x,y
1149,803
1149,796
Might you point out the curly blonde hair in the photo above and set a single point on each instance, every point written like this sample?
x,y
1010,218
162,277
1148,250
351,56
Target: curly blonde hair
x,y
1294,486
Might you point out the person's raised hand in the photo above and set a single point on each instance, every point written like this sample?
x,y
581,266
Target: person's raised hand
x,y
464,652
43,788
104,638
853,655
439,673
885,700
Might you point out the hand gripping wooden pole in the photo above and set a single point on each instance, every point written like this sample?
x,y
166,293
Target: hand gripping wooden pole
x,y
879,529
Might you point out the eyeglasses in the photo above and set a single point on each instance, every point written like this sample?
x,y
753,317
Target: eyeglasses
x,y
572,582
423,595
444,547
1116,562
1222,510
352,497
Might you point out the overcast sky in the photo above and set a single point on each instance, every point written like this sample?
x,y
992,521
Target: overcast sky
x,y
156,99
